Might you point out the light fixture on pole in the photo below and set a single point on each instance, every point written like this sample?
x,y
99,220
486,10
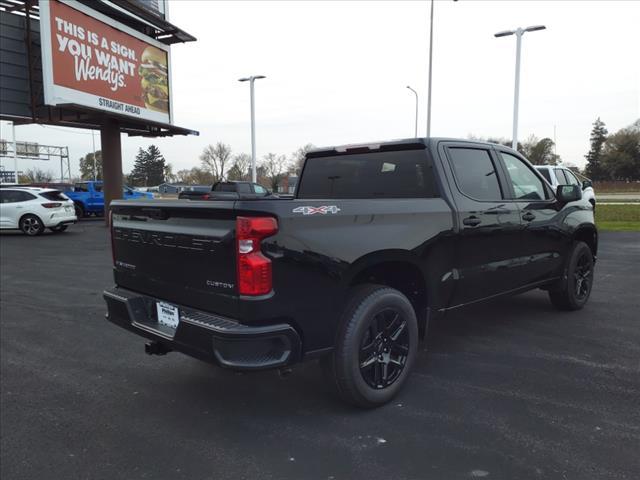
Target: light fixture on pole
x,y
416,127
516,94
251,80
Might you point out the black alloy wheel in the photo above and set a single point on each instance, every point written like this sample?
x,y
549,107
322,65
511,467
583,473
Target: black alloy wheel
x,y
583,274
384,349
574,289
376,346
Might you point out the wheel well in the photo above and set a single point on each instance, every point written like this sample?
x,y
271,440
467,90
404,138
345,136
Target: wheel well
x,y
590,237
27,215
403,276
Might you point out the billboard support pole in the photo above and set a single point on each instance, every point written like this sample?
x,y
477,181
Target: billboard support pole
x,y
15,151
111,162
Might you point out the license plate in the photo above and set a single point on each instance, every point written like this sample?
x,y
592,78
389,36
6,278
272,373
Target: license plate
x,y
168,314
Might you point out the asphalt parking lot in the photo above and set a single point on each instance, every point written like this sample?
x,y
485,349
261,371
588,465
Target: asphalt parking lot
x,y
509,390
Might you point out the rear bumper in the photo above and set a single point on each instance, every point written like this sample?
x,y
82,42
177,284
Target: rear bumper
x,y
59,219
205,336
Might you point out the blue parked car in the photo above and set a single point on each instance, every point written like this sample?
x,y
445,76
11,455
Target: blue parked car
x,y
88,197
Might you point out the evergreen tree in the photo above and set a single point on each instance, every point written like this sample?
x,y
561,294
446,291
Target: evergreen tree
x,y
87,164
149,168
594,168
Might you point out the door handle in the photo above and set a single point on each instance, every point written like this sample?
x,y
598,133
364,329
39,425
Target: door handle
x,y
472,221
528,216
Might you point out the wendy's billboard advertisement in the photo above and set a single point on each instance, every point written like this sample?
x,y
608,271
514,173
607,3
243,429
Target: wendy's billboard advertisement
x,y
93,61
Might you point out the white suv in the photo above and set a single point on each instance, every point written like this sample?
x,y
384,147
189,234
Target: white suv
x,y
557,175
33,209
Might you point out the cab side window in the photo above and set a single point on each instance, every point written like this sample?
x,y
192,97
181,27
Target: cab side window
x,y
562,180
526,184
259,189
81,187
571,178
475,173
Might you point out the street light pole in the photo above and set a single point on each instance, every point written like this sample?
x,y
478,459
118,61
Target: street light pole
x,y
430,72
516,91
251,80
416,127
95,163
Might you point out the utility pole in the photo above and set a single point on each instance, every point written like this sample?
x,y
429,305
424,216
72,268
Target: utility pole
x,y
251,81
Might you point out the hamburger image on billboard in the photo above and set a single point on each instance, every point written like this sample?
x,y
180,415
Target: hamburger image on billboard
x,y
154,74
91,60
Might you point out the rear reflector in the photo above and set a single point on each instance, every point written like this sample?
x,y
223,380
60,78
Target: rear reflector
x,y
254,269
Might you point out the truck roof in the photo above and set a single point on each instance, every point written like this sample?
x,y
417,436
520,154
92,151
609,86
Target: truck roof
x,y
398,144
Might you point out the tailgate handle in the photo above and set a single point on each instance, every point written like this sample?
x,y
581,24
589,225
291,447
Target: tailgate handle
x,y
156,213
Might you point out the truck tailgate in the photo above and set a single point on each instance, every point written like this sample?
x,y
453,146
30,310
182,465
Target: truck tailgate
x,y
177,251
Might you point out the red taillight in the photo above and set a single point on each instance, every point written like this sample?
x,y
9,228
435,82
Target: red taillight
x,y
205,196
52,205
254,269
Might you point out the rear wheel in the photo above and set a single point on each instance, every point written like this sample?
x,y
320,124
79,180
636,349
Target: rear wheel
x,y
79,210
31,225
376,346
575,287
59,228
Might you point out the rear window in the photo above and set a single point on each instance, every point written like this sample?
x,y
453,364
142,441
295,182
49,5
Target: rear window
x,y
545,173
400,174
54,196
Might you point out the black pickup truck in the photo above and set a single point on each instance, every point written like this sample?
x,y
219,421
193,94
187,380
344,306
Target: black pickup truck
x,y
378,240
229,190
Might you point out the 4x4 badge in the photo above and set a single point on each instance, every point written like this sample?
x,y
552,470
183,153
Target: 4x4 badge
x,y
323,210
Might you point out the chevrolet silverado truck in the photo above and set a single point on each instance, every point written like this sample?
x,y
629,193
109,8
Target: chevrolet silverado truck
x,y
88,197
226,191
378,240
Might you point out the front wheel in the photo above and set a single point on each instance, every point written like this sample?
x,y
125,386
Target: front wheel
x,y
31,225
575,286
376,346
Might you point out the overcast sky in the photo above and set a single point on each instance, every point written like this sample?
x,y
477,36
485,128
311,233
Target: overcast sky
x,y
337,72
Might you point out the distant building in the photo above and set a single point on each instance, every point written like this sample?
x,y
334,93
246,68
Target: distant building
x,y
181,187
288,184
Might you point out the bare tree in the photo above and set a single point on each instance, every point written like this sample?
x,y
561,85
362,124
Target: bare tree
x,y
215,159
297,157
274,167
169,176
195,175
36,175
240,168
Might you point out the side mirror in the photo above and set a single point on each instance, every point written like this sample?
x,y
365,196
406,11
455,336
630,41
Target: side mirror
x,y
586,184
568,193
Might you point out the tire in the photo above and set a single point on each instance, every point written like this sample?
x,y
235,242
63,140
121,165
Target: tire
x,y
575,286
376,346
79,210
31,225
59,228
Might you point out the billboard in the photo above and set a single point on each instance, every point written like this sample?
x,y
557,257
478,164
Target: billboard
x,y
93,61
157,7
